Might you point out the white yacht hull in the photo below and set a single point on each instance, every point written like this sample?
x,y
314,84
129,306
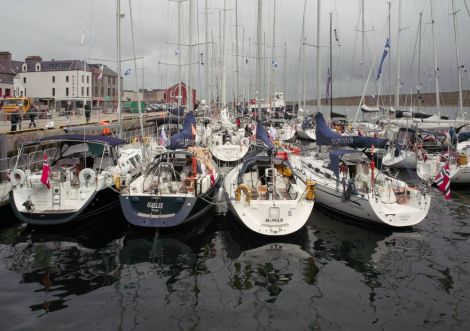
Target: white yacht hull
x,y
406,159
308,134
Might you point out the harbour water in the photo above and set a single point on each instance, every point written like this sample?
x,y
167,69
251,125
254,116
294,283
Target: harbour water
x,y
333,275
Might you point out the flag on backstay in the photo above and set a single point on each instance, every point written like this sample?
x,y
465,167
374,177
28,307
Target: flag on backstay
x,y
100,76
275,63
384,56
46,169
442,180
127,72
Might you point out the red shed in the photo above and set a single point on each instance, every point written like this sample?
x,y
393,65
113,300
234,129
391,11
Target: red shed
x,y
172,92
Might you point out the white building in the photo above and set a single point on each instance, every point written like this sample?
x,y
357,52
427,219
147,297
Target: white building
x,y
57,81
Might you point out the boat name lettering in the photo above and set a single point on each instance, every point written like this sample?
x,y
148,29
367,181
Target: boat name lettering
x,y
274,220
155,205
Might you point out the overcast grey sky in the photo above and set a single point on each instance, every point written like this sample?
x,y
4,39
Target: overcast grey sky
x,y
52,29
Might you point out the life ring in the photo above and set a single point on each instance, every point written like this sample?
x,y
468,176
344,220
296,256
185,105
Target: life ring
x,y
246,190
87,175
17,176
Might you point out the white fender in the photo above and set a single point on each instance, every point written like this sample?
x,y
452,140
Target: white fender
x,y
245,141
17,176
87,175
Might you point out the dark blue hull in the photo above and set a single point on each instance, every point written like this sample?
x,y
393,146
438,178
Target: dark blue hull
x,y
165,212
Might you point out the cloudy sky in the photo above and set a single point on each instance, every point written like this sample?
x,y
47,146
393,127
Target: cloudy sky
x,y
52,29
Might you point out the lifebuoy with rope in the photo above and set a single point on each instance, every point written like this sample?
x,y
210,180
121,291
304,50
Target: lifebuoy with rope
x,y
246,190
17,176
87,176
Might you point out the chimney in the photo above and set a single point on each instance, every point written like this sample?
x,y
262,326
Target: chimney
x,y
33,59
5,57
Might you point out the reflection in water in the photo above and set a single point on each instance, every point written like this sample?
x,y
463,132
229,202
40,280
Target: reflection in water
x,y
217,275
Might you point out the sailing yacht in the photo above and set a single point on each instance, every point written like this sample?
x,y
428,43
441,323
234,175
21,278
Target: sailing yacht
x,y
349,184
78,177
276,202
178,187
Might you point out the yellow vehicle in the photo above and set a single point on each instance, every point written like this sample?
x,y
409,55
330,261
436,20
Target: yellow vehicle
x,y
10,104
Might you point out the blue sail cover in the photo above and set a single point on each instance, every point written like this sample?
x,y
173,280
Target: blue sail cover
x,y
327,137
187,136
263,136
463,136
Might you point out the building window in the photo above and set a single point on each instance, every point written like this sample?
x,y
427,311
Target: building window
x,y
1,92
21,93
83,79
114,92
7,92
24,80
24,92
96,90
102,90
83,90
67,91
114,80
88,79
53,91
109,91
24,68
38,67
53,79
87,91
66,79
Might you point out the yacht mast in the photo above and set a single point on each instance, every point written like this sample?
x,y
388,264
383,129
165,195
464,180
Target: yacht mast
x,y
398,83
420,84
179,97
206,51
302,60
189,94
273,50
118,28
318,56
139,97
457,51
259,62
436,68
237,60
223,74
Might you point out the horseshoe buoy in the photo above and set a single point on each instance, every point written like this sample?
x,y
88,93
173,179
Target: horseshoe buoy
x,y
17,176
87,176
246,190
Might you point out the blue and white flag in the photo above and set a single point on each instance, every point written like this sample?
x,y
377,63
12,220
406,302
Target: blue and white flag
x,y
384,56
177,51
127,72
163,138
275,63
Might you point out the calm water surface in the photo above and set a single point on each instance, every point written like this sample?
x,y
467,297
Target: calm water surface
x,y
332,276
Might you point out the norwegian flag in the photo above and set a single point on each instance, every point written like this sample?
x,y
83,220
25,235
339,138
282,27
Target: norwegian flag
x,y
442,180
46,169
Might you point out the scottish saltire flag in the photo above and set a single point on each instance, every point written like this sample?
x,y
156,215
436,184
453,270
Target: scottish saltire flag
x,y
46,169
163,137
442,180
384,56
177,51
275,63
127,72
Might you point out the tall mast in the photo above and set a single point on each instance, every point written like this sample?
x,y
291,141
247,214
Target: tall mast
x,y
179,97
259,62
189,94
243,69
237,69
139,99
206,51
318,57
273,50
118,29
457,51
436,68
331,66
397,91
224,86
390,53
285,71
302,60
420,84
363,30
